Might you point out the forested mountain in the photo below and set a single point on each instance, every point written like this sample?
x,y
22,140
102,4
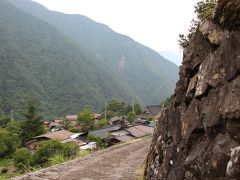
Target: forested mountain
x,y
150,75
39,61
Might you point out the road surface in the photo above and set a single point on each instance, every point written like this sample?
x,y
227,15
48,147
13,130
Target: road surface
x,y
115,163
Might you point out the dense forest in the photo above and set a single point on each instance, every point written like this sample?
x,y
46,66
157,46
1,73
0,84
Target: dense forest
x,y
39,61
69,62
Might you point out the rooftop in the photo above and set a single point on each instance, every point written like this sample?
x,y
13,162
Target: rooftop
x,y
71,117
57,135
154,110
104,133
140,130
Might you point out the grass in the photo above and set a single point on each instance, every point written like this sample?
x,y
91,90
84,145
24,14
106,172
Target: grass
x,y
4,176
84,153
140,172
56,159
6,162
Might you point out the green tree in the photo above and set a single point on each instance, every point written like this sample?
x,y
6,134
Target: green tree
x,y
128,109
15,129
117,108
102,123
4,120
86,119
23,158
32,126
131,116
204,9
137,108
166,102
8,143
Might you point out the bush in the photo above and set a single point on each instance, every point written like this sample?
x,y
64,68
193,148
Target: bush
x,y
56,159
74,130
8,143
53,150
102,123
98,140
23,158
47,149
204,9
70,150
131,116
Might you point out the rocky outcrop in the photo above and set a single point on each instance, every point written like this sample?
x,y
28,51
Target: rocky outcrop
x,y
198,136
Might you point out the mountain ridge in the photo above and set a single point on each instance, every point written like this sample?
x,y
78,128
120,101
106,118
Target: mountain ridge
x,y
135,60
37,60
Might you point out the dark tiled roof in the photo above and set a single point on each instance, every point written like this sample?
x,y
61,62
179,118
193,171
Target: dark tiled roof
x,y
115,118
123,138
140,130
154,110
104,133
57,135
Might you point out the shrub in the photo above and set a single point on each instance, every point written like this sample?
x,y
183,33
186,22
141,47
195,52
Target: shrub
x,y
47,149
23,158
53,150
70,150
98,140
131,116
8,143
102,123
74,130
204,9
56,159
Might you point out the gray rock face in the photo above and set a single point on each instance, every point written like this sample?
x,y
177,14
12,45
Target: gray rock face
x,y
199,135
233,166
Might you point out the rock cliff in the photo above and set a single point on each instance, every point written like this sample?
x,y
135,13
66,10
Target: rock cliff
x,y
198,137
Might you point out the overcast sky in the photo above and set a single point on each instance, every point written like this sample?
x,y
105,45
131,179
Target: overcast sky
x,y
154,23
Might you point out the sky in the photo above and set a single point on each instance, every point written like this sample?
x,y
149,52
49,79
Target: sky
x,y
154,23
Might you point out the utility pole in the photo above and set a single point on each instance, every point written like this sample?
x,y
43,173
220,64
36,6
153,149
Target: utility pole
x,y
12,115
105,113
133,105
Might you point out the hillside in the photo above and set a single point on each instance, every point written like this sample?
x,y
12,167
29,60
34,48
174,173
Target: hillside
x,y
150,75
37,60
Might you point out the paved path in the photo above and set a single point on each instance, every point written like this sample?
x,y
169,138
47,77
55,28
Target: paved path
x,y
116,163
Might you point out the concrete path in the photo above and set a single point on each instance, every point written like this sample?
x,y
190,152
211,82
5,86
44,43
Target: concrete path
x,y
115,163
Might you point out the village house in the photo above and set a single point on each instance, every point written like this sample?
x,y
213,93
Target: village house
x,y
150,113
72,119
63,136
152,110
115,120
116,134
105,132
97,116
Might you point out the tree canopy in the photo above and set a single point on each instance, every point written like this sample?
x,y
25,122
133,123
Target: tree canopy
x,y
86,119
32,125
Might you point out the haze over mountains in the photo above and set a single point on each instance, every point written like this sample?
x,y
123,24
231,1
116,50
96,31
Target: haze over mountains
x,y
70,62
172,57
